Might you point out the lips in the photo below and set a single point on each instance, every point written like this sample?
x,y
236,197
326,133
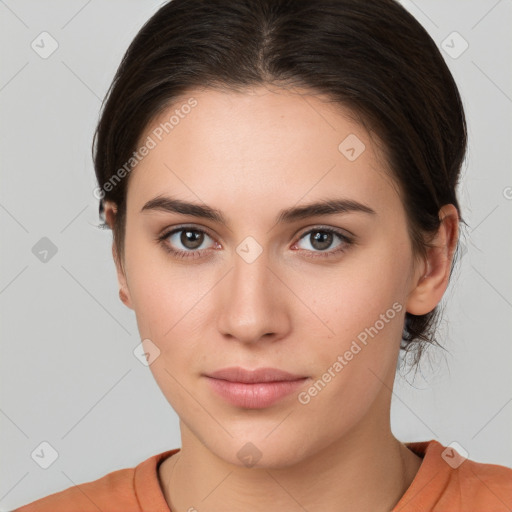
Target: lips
x,y
237,374
254,389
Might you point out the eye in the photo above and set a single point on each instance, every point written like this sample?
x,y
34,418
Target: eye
x,y
189,238
321,238
188,242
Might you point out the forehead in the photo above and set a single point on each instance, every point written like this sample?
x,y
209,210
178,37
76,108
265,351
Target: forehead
x,y
262,142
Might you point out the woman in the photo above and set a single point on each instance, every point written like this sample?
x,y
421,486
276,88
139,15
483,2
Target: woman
x,y
280,178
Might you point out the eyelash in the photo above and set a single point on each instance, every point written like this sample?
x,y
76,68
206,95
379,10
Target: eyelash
x,y
346,242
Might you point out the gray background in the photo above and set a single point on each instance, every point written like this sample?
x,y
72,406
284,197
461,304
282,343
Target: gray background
x,y
68,373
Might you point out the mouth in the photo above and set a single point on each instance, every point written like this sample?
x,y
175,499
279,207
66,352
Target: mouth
x,y
254,389
238,374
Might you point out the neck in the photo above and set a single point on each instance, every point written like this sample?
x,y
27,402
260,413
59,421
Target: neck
x,y
367,469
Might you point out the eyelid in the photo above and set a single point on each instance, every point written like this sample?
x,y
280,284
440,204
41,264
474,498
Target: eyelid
x,y
166,232
340,231
345,236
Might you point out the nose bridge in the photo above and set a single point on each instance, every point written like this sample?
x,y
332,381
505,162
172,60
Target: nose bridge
x,y
251,307
250,276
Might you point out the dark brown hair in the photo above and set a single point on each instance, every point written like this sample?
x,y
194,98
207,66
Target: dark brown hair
x,y
370,56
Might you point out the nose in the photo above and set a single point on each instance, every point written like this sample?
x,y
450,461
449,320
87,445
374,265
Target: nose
x,y
254,302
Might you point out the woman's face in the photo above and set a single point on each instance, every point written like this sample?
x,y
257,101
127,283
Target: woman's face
x,y
263,289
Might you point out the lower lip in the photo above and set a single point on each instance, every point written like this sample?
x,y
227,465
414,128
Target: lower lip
x,y
254,396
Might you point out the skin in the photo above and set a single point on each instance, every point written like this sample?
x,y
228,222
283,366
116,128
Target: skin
x,y
250,155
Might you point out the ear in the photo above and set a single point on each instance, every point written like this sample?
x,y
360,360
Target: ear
x,y
431,278
124,292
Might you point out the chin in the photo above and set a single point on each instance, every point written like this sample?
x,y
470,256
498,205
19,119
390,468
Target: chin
x,y
248,452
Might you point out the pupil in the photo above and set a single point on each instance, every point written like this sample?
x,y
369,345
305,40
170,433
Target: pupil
x,y
191,239
322,240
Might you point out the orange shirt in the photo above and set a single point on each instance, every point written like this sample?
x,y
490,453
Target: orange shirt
x,y
439,486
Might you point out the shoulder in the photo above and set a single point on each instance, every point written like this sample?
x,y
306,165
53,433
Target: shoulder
x,y
114,489
482,484
448,480
117,491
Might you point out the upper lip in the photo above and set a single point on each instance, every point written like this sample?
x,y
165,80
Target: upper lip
x,y
238,374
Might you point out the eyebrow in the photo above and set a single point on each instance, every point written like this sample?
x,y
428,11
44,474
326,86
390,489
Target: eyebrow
x,y
288,215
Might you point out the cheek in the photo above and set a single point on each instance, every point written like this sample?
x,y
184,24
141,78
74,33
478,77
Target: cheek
x,y
351,365
352,295
160,294
170,309
362,303
171,306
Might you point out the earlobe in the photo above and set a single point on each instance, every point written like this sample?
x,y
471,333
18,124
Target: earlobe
x,y
124,294
433,278
125,298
